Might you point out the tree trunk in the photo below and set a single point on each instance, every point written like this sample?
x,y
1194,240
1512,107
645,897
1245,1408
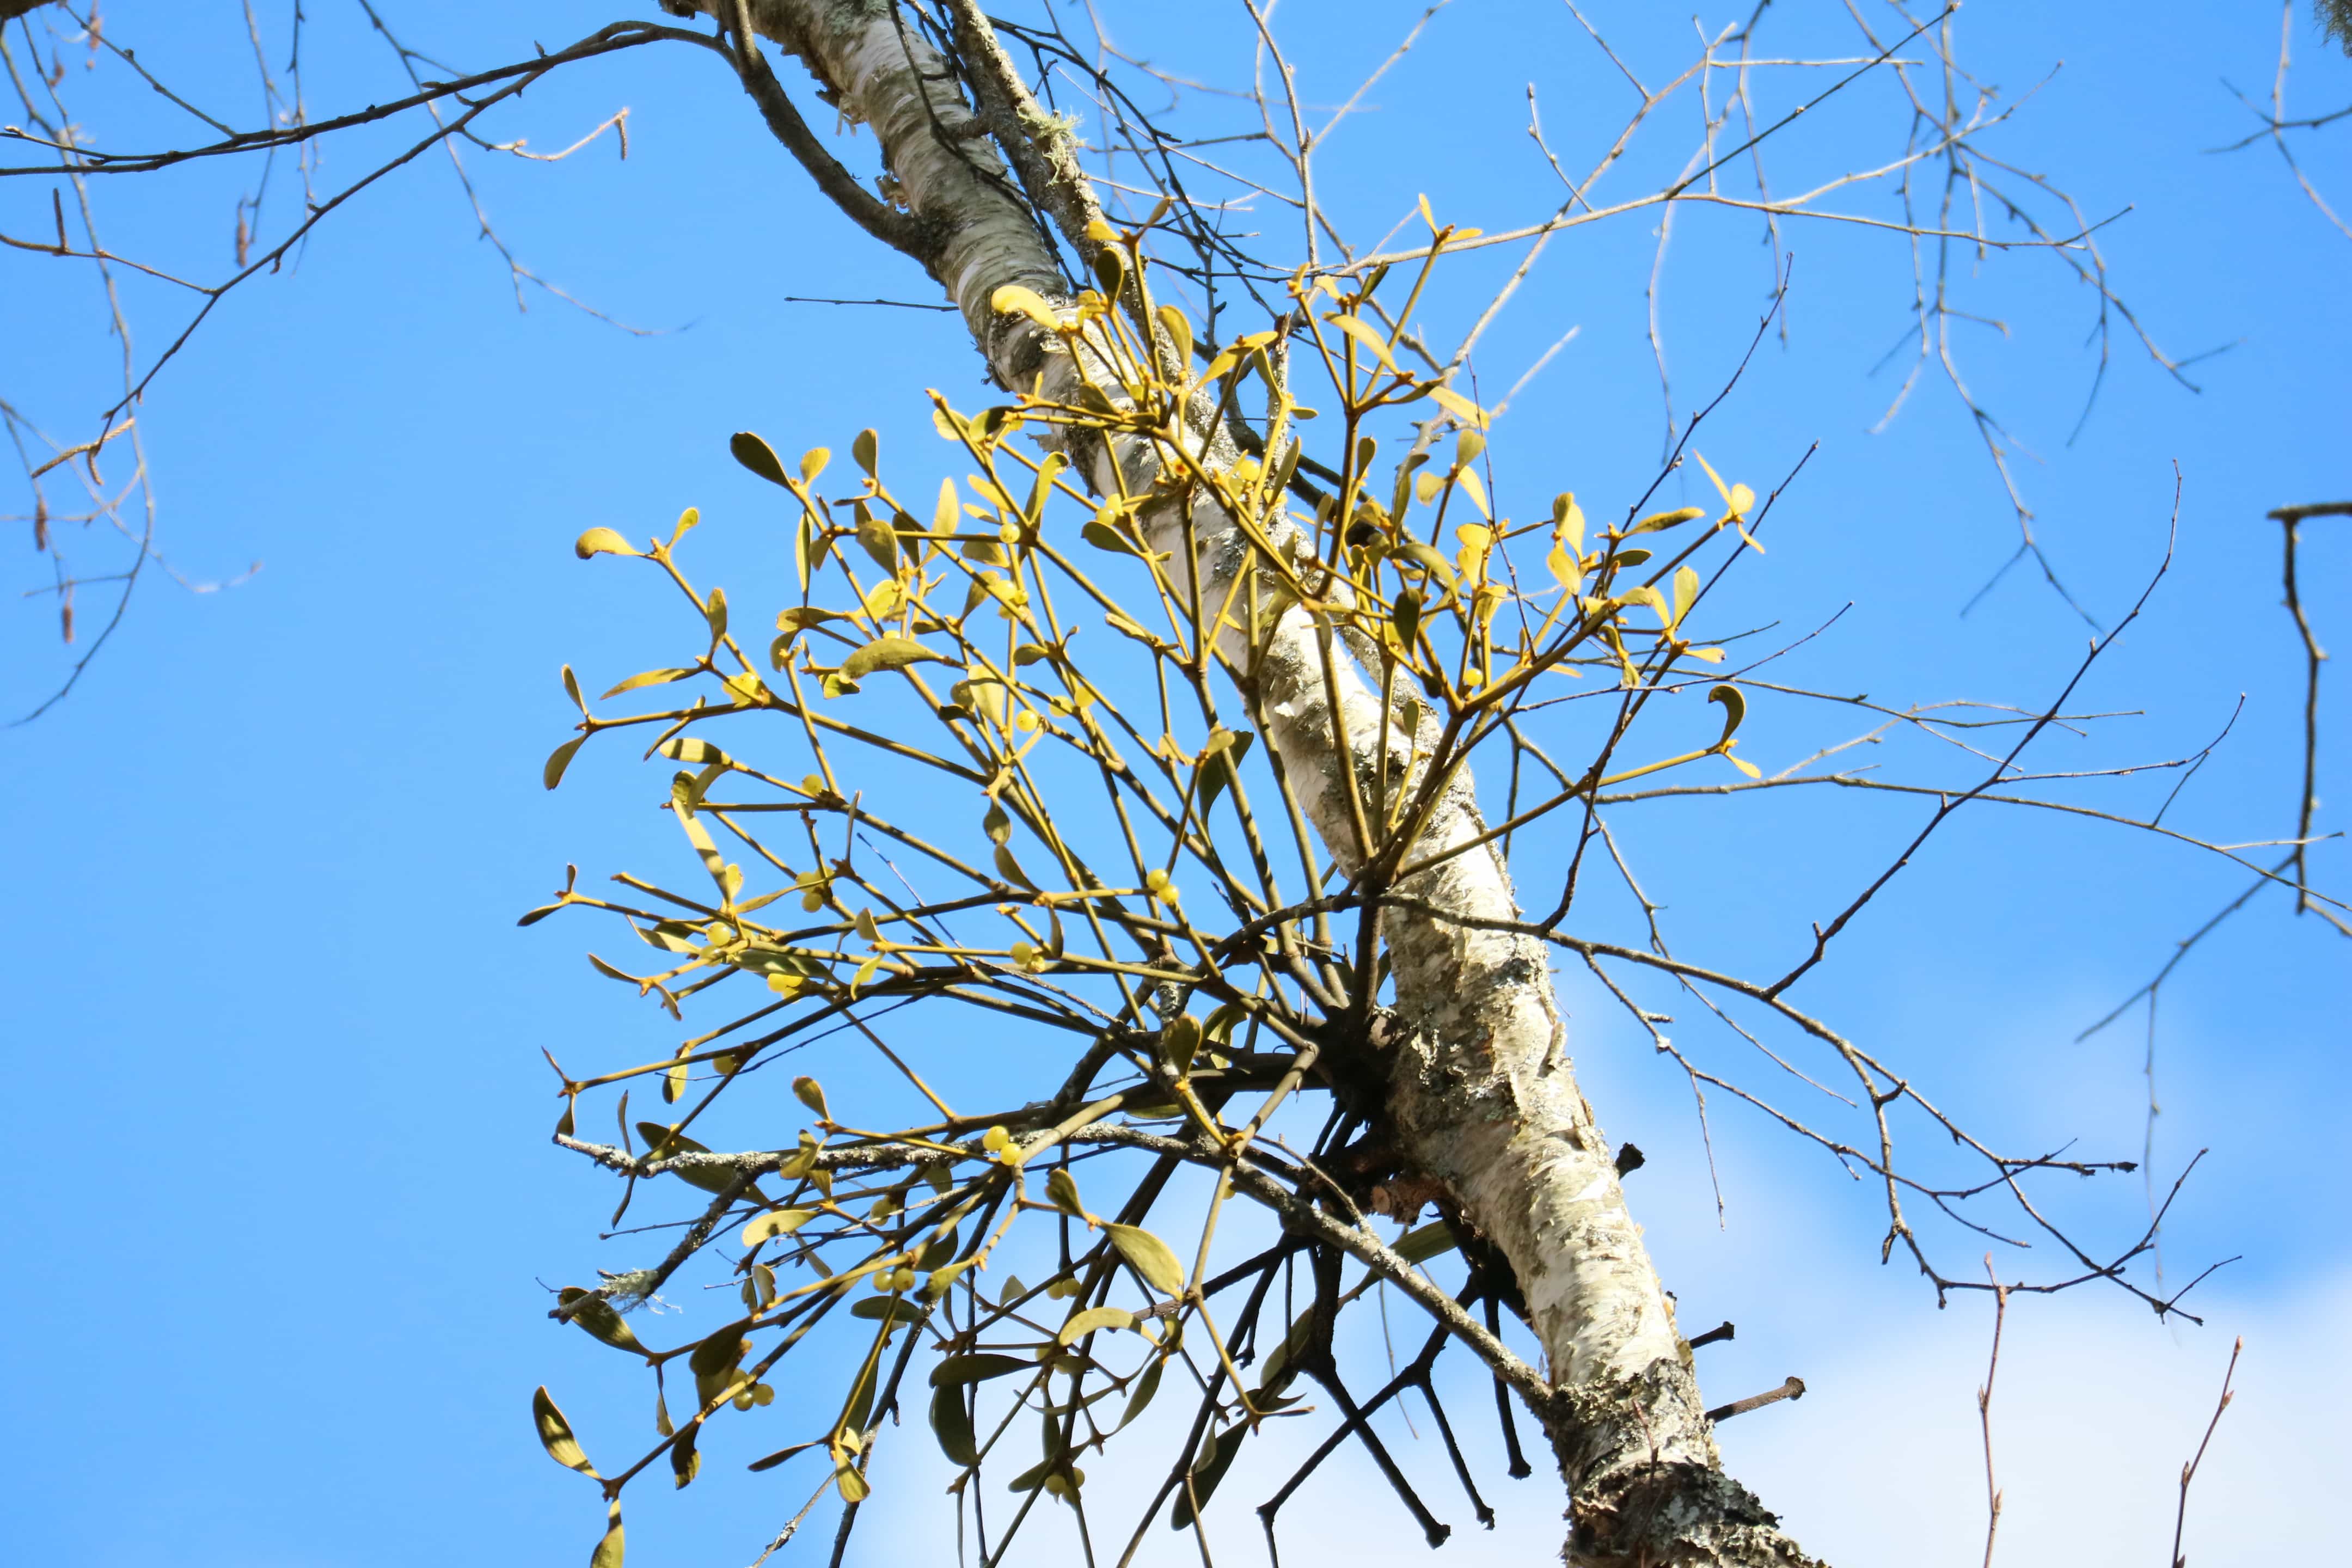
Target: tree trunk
x,y
1480,1090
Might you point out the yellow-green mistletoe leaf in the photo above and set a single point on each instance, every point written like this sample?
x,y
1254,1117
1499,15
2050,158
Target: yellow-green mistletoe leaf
x,y
1145,1387
875,538
663,1143
811,1094
976,1368
888,653
1092,1320
1461,408
597,1316
757,455
602,542
1430,558
1476,491
561,759
1372,340
775,1223
691,749
1735,709
650,678
1222,766
1180,1042
1179,328
608,1551
1568,522
951,1421
555,1436
1421,1245
1149,1255
1659,521
1012,300
1738,500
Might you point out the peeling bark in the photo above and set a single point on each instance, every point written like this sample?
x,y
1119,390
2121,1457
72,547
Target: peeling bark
x,y
1480,1090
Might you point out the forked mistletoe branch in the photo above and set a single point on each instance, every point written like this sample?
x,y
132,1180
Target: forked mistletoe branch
x,y
1104,924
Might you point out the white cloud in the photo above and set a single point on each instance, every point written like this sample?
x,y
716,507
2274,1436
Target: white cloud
x,y
2095,1407
2094,1412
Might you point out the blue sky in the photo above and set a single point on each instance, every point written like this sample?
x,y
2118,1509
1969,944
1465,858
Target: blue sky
x,y
284,1205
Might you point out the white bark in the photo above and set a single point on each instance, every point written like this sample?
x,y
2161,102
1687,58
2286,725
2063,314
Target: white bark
x,y
1481,1091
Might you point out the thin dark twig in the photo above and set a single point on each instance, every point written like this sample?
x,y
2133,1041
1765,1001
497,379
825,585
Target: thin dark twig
x,y
2189,1470
1984,1410
2290,518
1794,1388
1824,935
900,304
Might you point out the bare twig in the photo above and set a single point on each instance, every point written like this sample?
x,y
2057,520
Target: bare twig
x,y
1984,1411
2189,1470
1794,1388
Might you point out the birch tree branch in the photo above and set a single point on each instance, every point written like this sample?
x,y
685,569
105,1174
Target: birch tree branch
x,y
900,231
1479,1086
